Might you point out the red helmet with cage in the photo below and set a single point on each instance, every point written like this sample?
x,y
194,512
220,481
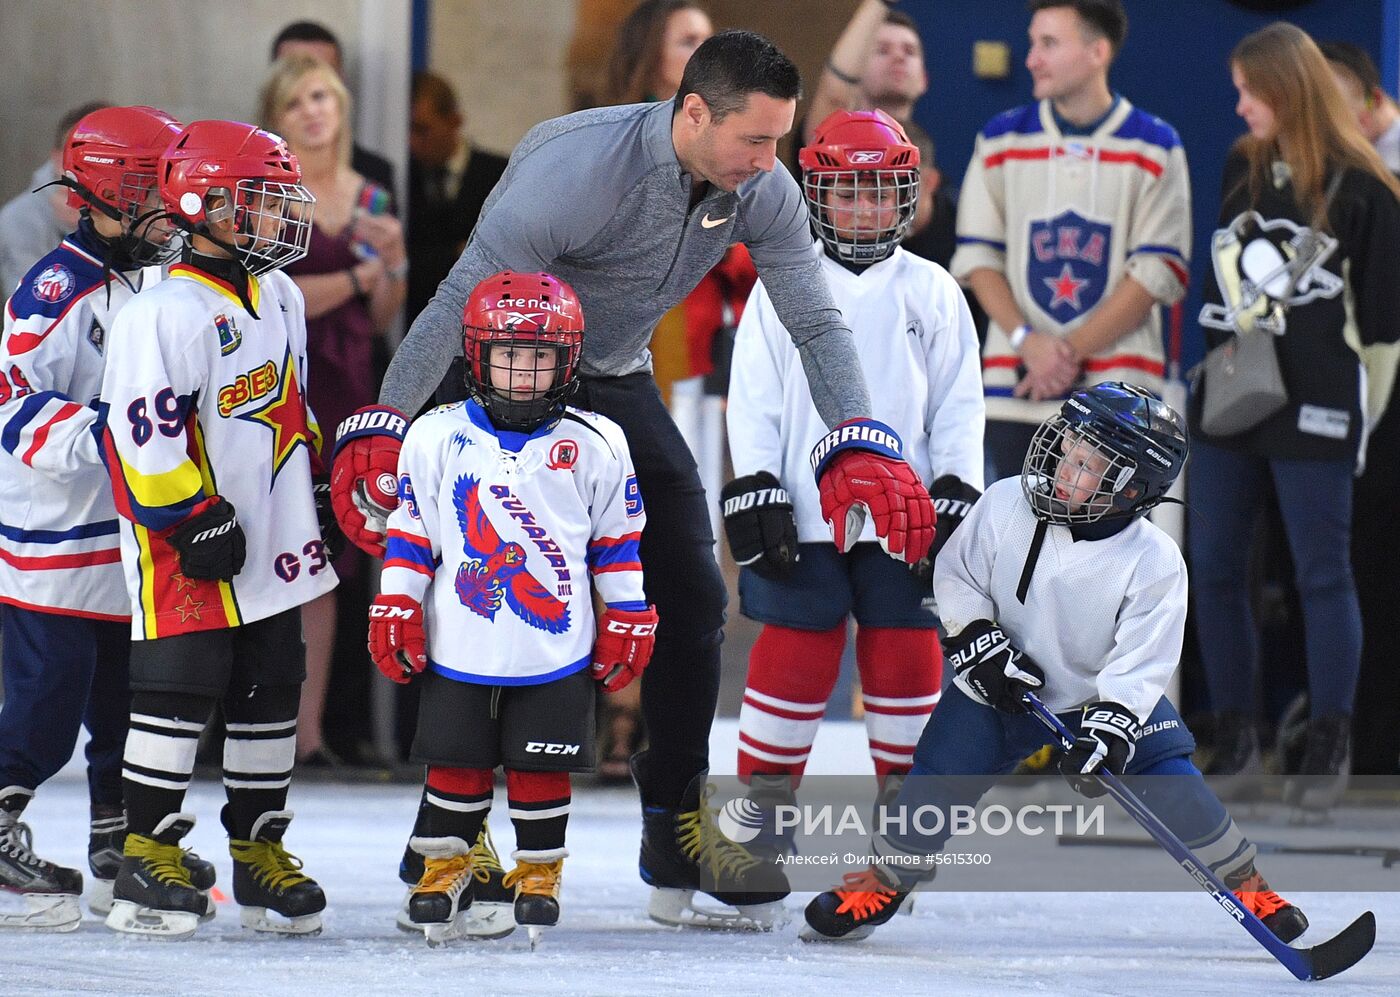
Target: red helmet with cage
x,y
860,176
218,171
109,163
508,322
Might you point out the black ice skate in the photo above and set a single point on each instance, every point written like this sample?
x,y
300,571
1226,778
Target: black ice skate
x,y
492,911
535,880
107,838
152,894
853,910
49,892
1279,916
440,900
1325,769
1236,764
683,851
266,877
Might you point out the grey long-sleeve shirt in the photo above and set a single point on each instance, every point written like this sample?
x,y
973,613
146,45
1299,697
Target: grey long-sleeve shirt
x,y
599,199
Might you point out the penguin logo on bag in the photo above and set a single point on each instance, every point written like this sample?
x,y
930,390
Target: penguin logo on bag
x,y
1263,268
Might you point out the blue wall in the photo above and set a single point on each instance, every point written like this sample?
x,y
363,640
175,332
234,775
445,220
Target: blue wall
x,y
1174,64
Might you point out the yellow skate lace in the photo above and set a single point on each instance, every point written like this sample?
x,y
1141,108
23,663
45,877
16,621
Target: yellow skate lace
x,y
270,863
439,875
164,862
483,857
536,878
703,842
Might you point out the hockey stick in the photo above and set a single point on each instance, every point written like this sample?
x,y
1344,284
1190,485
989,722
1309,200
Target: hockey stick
x,y
1316,963
1388,856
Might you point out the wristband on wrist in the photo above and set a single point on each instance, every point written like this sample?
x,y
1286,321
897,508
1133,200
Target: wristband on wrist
x,y
355,283
843,77
1017,336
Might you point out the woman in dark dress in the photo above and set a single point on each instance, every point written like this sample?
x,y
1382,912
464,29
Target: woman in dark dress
x,y
353,280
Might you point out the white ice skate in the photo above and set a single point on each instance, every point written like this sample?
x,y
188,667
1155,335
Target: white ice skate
x,y
678,908
42,912
133,919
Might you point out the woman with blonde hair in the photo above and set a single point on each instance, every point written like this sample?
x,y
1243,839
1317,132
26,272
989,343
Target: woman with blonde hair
x,y
1306,254
353,279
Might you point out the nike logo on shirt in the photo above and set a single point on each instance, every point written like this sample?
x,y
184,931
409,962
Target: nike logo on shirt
x,y
709,222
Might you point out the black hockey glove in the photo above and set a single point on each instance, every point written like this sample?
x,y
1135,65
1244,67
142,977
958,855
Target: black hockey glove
x,y
1107,737
952,501
210,543
759,524
332,536
989,669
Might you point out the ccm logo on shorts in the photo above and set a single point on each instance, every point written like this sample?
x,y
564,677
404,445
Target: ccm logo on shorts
x,y
550,748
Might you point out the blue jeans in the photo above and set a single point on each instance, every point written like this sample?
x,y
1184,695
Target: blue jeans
x,y
1227,492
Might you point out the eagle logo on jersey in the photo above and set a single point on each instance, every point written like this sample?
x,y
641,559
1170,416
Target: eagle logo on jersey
x,y
1265,267
1067,268
495,571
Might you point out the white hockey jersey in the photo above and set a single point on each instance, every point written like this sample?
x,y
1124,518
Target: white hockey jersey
x,y
500,544
1064,218
1104,618
204,398
59,546
918,349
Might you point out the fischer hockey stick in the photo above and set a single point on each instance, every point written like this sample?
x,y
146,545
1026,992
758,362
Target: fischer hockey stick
x,y
1316,963
1388,856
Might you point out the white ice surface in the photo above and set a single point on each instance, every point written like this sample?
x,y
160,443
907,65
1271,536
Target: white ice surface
x,y
351,837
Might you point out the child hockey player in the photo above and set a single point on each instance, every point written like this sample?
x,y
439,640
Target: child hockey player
x,y
917,342
511,505
211,450
63,603
1061,565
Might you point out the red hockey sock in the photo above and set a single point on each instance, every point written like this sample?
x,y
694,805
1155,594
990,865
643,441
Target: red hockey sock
x,y
900,675
791,675
455,803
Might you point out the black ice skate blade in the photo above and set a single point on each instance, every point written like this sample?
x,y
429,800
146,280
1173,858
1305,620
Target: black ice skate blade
x,y
1340,952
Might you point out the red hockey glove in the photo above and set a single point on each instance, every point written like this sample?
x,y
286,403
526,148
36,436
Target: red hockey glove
x,y
860,468
365,474
396,641
624,646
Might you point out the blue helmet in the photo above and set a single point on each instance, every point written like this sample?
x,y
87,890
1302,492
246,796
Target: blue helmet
x,y
1113,450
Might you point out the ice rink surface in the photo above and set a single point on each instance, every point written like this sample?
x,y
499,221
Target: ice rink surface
x,y
351,836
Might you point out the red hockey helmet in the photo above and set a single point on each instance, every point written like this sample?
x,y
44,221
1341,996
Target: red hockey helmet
x,y
508,320
860,176
109,163
215,171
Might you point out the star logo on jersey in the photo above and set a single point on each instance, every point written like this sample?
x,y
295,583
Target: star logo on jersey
x,y
1067,266
182,583
190,610
495,570
1065,288
284,414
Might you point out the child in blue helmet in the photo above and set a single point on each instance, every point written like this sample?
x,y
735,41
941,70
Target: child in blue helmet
x,y
1057,583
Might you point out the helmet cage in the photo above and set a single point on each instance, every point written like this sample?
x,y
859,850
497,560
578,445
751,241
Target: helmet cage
x,y
271,222
865,241
1096,478
481,346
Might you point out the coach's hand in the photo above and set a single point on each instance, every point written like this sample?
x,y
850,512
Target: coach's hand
x,y
210,543
759,524
396,641
365,474
860,468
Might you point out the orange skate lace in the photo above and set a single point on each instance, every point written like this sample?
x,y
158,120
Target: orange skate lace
x,y
864,894
1255,894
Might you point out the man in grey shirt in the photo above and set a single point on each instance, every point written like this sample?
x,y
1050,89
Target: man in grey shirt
x,y
632,206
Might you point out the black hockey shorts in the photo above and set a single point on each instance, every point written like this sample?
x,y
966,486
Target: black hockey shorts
x,y
530,728
210,662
